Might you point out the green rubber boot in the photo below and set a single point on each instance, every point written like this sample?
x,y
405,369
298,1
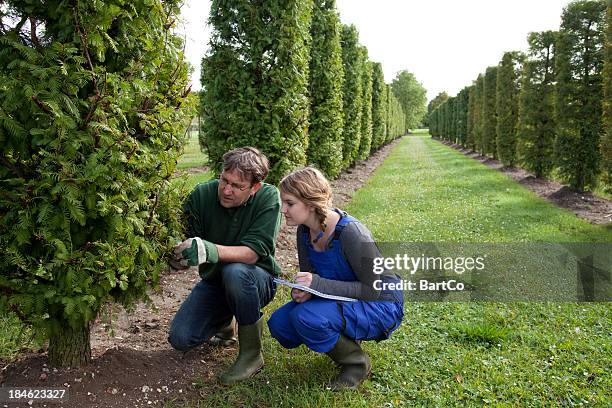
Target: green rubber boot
x,y
250,359
355,365
226,336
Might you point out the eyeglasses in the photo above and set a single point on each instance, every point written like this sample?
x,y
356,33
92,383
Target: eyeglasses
x,y
235,187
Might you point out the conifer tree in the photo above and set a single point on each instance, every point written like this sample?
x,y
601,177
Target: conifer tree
x,y
478,114
470,141
489,113
606,142
450,116
325,87
579,92
433,122
255,81
378,106
351,94
365,143
461,116
93,110
433,104
536,122
507,106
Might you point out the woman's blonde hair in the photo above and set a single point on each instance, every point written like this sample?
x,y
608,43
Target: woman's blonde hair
x,y
311,187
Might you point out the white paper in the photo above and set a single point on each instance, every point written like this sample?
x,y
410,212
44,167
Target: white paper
x,y
314,292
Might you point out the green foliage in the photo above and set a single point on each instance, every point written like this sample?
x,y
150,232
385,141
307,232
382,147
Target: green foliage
x,y
255,81
434,120
93,110
536,122
479,114
507,106
365,143
395,116
470,140
412,97
449,112
606,141
461,116
579,66
325,88
489,113
433,104
379,123
351,94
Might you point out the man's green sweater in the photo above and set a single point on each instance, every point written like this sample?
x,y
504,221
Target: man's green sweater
x,y
254,224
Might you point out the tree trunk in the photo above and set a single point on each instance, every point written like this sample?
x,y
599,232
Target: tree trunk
x,y
70,348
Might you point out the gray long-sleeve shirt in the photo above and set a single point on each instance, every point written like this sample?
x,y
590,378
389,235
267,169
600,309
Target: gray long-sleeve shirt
x,y
359,249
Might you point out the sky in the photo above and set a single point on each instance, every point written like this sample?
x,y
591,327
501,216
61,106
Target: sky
x,y
444,43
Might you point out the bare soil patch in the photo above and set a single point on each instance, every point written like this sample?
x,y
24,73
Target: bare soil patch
x,y
594,209
133,364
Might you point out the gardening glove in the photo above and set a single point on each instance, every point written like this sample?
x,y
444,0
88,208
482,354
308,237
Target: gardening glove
x,y
192,250
178,262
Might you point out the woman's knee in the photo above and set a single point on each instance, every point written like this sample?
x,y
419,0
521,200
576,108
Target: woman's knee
x,y
305,321
281,330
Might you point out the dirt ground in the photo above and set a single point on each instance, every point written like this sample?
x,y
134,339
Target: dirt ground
x,y
592,208
133,364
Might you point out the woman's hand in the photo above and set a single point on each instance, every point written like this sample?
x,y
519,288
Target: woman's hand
x,y
300,296
303,278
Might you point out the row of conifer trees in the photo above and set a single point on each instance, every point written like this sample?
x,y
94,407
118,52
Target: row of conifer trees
x,y
288,77
548,111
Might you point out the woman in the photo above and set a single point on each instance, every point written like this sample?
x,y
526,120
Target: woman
x,y
335,254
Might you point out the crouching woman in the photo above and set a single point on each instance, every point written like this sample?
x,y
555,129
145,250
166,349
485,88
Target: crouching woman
x,y
336,255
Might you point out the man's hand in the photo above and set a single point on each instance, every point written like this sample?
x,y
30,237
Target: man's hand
x,y
300,296
190,252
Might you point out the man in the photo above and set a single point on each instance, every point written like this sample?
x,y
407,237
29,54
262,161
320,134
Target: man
x,y
233,223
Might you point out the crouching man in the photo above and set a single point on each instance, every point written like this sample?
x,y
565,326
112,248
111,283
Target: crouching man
x,y
233,223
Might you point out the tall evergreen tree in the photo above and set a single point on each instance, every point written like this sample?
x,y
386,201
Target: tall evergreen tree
x,y
92,98
395,116
351,94
444,119
507,106
378,106
579,92
461,117
536,122
433,104
255,81
489,112
606,141
470,141
450,118
365,143
433,122
479,114
325,86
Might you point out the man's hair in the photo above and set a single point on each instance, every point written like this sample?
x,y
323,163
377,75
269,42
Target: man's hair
x,y
250,163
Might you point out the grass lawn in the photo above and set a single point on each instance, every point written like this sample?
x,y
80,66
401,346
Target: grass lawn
x,y
453,354
193,156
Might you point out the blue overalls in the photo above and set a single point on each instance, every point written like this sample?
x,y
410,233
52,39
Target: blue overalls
x,y
318,322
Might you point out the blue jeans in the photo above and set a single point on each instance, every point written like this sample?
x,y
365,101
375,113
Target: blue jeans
x,y
241,290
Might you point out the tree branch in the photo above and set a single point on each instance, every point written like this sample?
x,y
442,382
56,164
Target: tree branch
x,y
41,105
33,33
